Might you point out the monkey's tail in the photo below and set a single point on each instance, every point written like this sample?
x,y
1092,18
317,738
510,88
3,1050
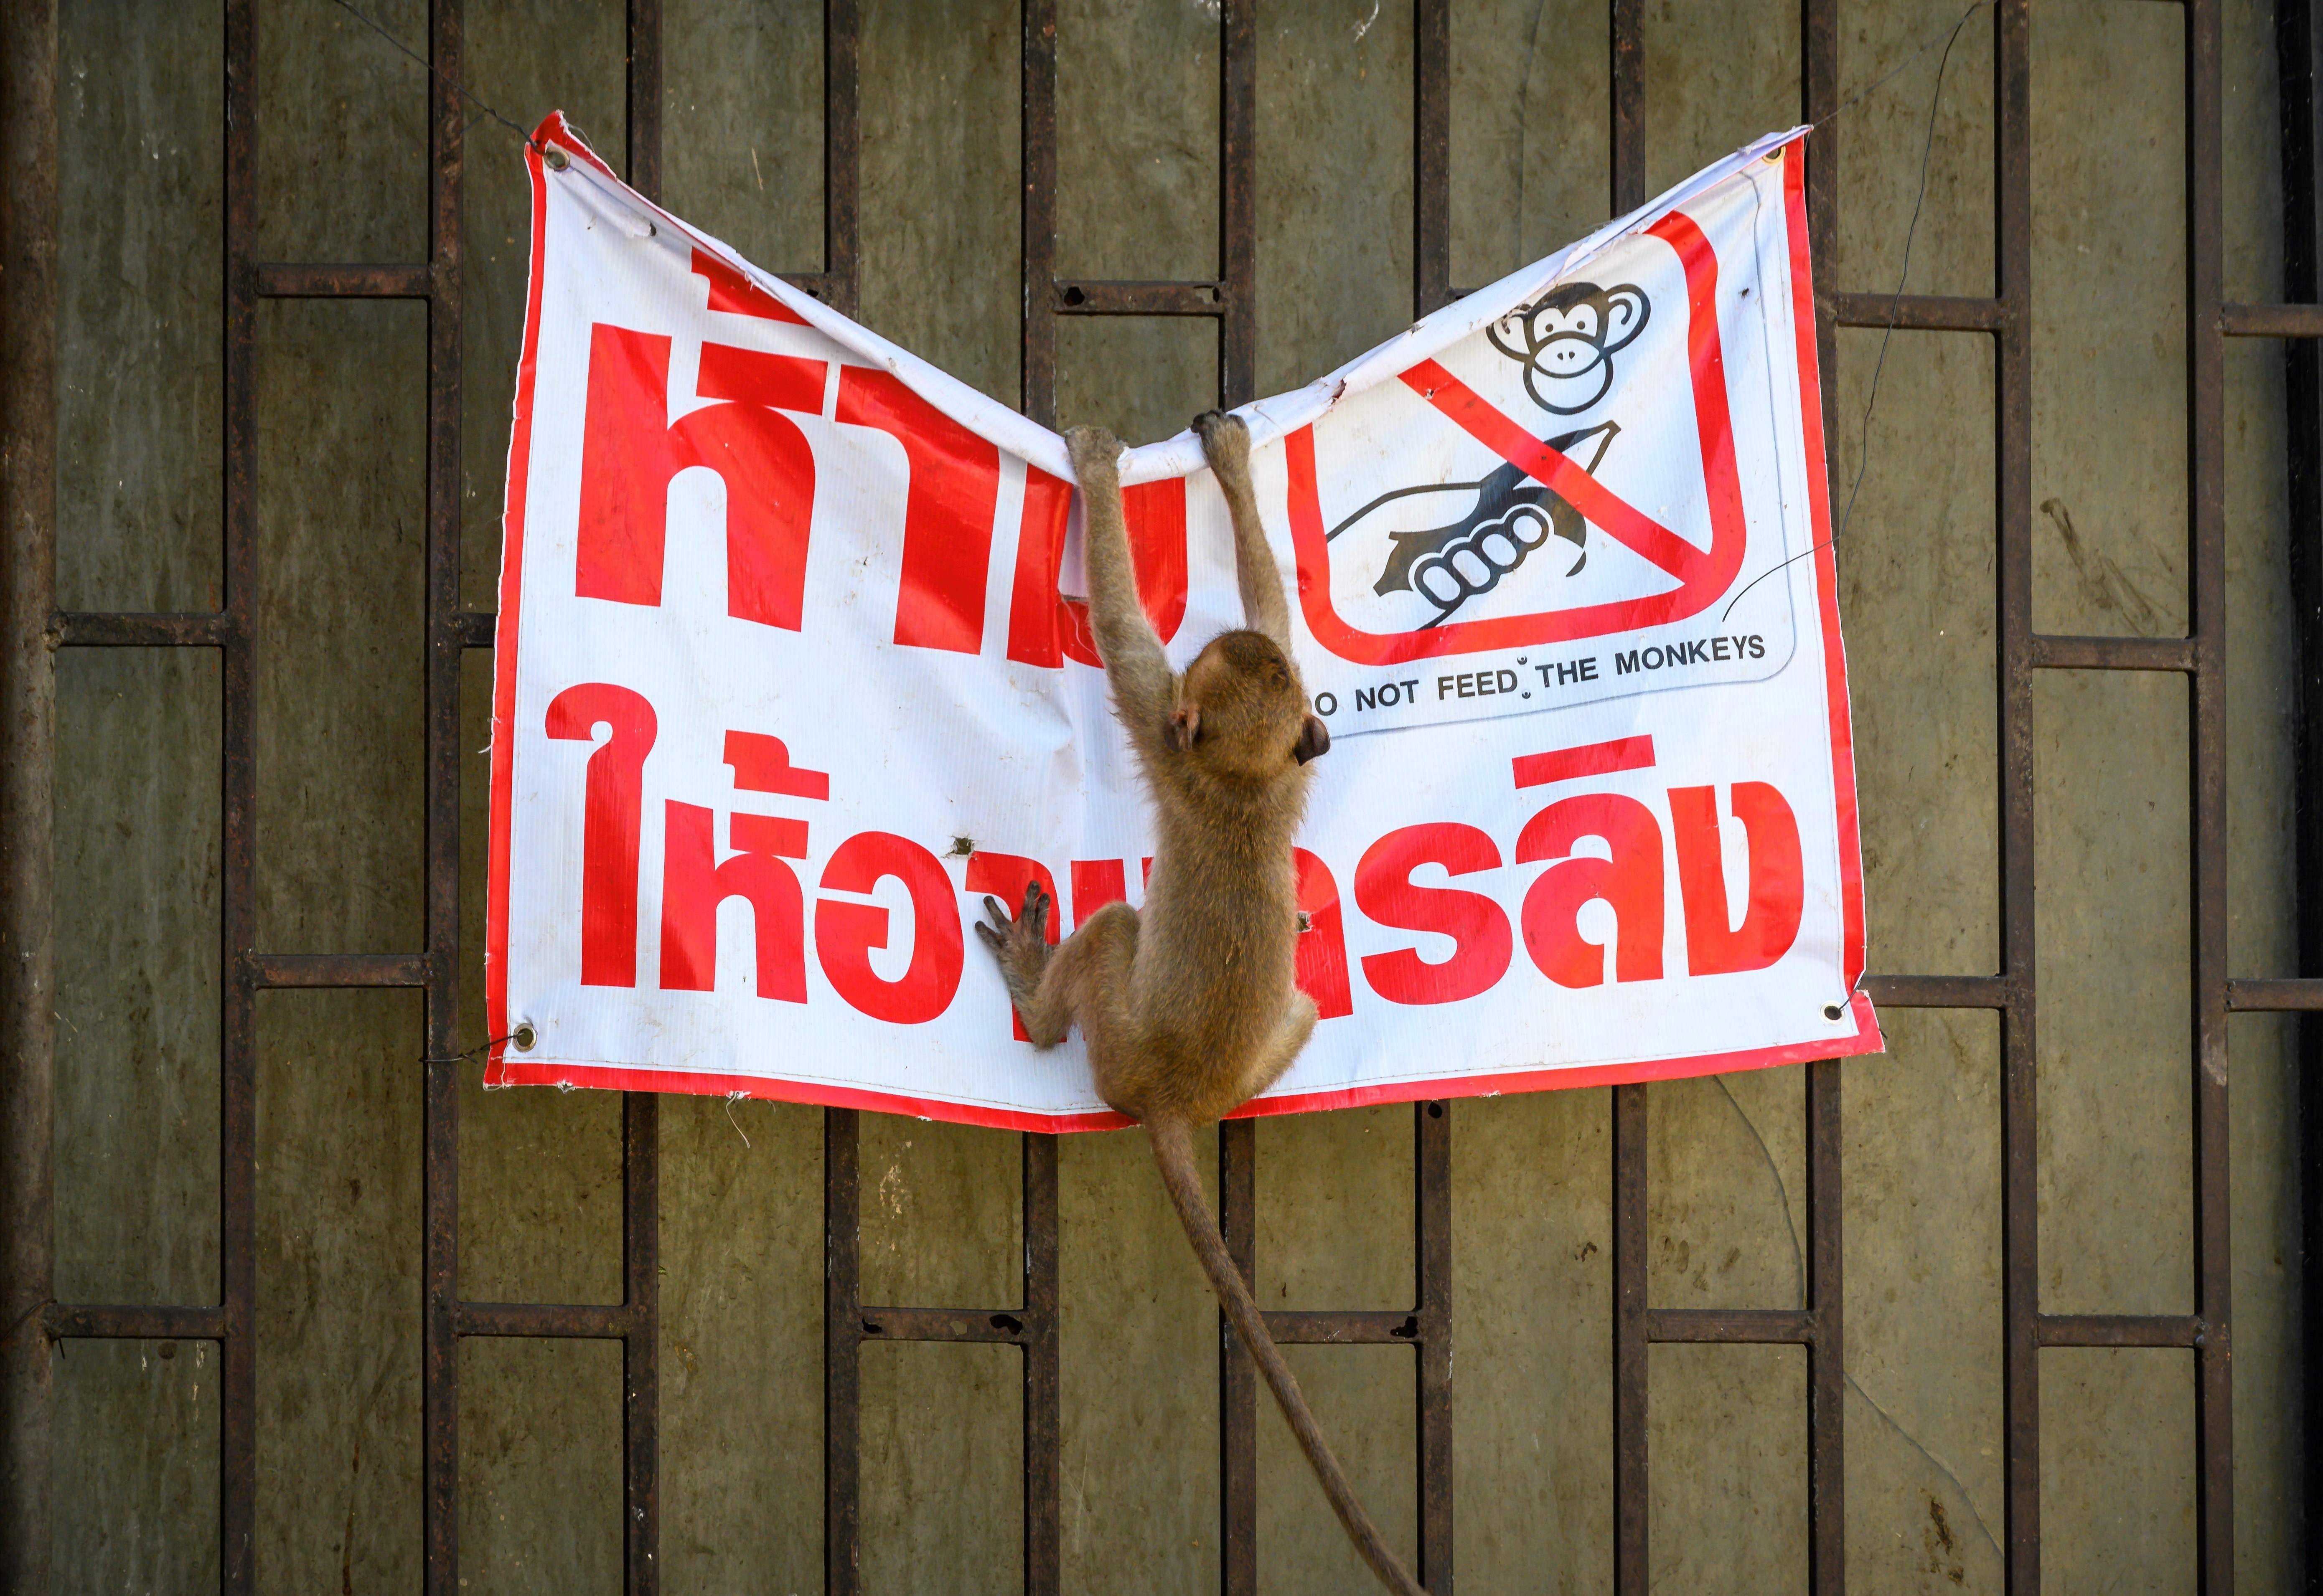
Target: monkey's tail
x,y
1173,1152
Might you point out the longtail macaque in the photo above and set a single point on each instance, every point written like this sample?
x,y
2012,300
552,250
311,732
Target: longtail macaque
x,y
1187,1006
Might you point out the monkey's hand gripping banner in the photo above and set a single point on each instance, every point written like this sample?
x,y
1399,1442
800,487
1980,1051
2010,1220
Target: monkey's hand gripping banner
x,y
790,674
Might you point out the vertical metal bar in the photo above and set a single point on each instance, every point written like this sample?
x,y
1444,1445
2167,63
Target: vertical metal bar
x,y
842,1289
440,1241
1238,1139
842,1334
1626,28
2207,564
1431,1252
1237,1375
1431,133
842,150
2013,602
1041,1543
1819,54
1626,32
1431,1153
1827,1352
2294,41
237,1152
1629,1349
1043,1535
641,1340
1038,373
28,503
643,89
1825,1291
1238,201
641,1110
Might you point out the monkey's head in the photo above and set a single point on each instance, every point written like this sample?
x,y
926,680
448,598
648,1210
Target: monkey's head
x,y
1242,710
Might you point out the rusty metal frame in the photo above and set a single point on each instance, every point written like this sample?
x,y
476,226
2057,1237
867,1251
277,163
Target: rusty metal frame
x,y
28,241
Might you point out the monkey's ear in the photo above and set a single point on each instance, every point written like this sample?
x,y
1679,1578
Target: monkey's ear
x,y
1314,740
1627,309
1179,729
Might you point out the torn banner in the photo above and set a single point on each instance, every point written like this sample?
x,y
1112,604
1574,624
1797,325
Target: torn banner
x,y
790,674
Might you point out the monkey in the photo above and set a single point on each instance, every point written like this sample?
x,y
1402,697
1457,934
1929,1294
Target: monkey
x,y
1574,329
1188,1004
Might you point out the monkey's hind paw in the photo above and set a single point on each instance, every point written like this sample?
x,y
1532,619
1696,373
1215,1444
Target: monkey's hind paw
x,y
1021,944
1225,438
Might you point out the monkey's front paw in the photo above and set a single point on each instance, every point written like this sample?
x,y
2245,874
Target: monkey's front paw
x,y
1093,450
1225,439
1022,944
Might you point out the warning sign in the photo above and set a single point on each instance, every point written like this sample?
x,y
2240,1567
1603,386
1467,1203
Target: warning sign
x,y
792,671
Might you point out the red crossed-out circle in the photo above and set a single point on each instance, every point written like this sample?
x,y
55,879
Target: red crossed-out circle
x,y
1702,575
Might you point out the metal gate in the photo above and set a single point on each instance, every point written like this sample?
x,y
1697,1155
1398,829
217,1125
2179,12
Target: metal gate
x,y
1423,1322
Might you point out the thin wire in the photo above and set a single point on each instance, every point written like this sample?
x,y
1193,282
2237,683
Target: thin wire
x,y
1871,401
472,1052
453,84
1872,87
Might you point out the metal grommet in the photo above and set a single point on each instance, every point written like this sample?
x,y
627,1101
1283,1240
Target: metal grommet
x,y
524,1036
1831,1011
554,158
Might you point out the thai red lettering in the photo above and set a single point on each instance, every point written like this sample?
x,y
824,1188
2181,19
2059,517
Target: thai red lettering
x,y
948,508
1044,628
736,294
1096,884
1630,881
630,449
611,818
1476,924
1005,876
845,932
762,764
1322,946
694,883
1776,897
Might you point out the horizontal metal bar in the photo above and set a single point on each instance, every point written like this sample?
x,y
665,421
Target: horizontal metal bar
x,y
2270,321
945,1323
133,1322
2274,997
2120,1330
2051,653
474,627
1919,313
299,280
1350,1328
1082,297
1758,1326
1941,992
548,1321
339,969
91,629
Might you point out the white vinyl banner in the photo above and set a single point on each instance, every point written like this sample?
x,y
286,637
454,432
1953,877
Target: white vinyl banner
x,y
791,673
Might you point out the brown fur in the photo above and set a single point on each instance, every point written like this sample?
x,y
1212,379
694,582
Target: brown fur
x,y
1189,1005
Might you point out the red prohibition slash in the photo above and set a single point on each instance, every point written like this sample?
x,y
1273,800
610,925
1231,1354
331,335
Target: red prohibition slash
x,y
1702,575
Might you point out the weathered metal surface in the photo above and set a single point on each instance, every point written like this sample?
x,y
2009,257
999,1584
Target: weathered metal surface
x,y
1782,1137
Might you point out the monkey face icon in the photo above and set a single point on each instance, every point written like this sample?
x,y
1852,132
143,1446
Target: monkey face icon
x,y
1568,337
